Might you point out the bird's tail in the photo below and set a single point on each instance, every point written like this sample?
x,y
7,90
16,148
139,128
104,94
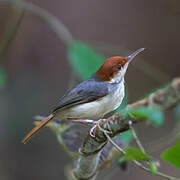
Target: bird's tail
x,y
37,128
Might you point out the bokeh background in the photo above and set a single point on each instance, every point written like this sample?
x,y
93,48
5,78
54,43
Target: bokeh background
x,y
37,72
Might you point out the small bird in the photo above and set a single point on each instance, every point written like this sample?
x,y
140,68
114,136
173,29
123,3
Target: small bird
x,y
94,97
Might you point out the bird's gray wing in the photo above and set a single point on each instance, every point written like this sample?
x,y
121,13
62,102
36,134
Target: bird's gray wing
x,y
87,91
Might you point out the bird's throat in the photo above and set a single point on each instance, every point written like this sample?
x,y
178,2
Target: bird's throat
x,y
117,80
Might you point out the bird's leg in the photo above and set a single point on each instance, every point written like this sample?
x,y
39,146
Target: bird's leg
x,y
95,123
89,121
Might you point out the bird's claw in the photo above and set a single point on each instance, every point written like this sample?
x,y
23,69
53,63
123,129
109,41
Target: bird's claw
x,y
96,123
91,132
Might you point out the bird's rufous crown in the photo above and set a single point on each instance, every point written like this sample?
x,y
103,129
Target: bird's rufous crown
x,y
111,67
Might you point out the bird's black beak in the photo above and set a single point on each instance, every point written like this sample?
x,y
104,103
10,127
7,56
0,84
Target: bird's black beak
x,y
131,56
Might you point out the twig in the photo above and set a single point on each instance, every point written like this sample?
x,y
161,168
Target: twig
x,y
136,137
134,161
10,32
157,173
56,25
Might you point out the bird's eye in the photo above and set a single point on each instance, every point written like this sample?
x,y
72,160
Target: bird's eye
x,y
119,67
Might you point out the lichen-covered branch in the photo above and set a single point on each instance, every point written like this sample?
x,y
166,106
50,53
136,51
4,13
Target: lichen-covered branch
x,y
87,163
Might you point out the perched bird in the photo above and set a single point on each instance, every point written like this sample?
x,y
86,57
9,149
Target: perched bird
x,y
95,97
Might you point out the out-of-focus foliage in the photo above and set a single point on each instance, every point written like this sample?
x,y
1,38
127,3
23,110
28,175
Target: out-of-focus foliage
x,y
177,114
135,154
3,77
153,167
84,59
126,136
154,116
172,154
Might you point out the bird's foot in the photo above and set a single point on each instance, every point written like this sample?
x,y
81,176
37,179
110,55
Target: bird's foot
x,y
88,121
85,121
96,123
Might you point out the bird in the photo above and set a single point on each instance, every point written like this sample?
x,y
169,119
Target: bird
x,y
95,97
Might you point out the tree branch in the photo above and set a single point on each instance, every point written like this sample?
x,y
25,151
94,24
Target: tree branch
x,y
56,25
10,31
88,160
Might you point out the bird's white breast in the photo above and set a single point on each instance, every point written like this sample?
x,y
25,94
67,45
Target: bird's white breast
x,y
96,109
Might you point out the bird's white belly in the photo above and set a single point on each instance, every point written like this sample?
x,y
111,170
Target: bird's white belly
x,y
96,109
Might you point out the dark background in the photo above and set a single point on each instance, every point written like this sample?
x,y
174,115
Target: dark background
x,y
38,72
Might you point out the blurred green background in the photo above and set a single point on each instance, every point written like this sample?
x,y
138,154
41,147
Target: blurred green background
x,y
36,69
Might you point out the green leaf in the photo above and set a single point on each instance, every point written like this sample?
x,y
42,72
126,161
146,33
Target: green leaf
x,y
135,154
122,163
84,59
126,136
3,77
172,155
153,167
154,116
121,160
177,114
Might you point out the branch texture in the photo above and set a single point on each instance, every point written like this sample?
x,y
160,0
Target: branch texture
x,y
88,160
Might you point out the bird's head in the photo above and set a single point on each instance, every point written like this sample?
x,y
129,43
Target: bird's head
x,y
114,68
